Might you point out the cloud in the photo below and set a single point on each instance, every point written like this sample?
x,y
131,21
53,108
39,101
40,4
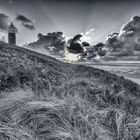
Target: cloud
x,y
54,43
28,26
3,22
118,47
114,44
94,51
85,49
123,44
24,19
127,41
74,44
130,33
26,22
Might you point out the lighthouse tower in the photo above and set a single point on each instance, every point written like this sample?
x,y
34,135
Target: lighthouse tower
x,y
12,30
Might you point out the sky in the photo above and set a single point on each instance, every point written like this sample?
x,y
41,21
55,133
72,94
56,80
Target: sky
x,y
94,18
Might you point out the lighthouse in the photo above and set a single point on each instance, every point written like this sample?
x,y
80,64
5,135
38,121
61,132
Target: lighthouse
x,y
12,30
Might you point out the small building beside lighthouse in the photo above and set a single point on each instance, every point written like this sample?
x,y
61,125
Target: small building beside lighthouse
x,y
12,30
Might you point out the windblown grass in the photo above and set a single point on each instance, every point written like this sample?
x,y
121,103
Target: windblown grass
x,y
67,118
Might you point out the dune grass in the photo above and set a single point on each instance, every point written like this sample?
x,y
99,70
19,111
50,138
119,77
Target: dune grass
x,y
44,99
65,118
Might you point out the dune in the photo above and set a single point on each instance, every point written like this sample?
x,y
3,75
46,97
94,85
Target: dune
x,y
42,98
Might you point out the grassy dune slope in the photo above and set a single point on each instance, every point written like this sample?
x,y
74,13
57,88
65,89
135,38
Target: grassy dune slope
x,y
42,98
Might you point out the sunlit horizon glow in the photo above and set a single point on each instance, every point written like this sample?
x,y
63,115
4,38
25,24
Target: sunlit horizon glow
x,y
70,57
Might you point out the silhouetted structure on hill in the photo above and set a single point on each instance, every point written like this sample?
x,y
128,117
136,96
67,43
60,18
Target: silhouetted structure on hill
x,y
12,30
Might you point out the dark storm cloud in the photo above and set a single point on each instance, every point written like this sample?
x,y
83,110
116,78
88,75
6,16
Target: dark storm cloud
x,y
24,19
94,51
74,45
26,22
3,22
